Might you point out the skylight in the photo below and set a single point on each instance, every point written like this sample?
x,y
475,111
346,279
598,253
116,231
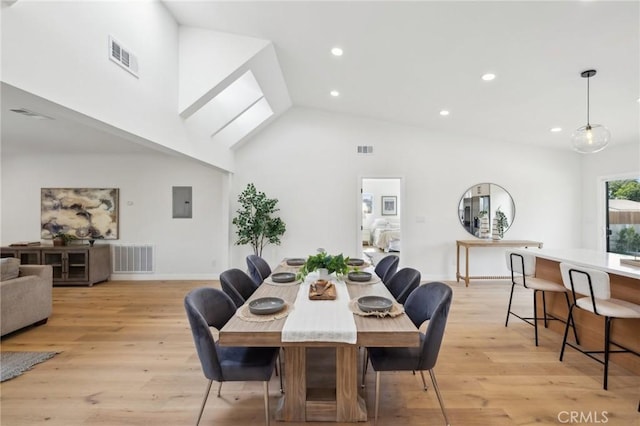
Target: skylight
x,y
233,110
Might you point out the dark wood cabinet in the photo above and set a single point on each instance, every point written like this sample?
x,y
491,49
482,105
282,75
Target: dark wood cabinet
x,y
27,255
72,265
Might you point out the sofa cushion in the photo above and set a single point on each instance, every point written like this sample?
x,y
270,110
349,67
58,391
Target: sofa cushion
x,y
10,268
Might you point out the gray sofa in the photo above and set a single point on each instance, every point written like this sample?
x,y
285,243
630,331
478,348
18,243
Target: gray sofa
x,y
27,299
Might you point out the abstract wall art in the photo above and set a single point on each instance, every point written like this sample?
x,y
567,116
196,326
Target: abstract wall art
x,y
84,213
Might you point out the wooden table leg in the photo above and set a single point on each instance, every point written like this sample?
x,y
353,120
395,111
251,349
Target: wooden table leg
x,y
457,262
349,407
295,384
466,261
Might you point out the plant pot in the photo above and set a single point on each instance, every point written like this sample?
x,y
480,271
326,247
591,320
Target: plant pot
x,y
58,242
323,274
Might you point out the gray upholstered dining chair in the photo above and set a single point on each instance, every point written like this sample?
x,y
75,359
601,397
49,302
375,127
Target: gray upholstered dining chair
x,y
429,302
523,271
209,307
400,286
237,285
596,288
387,267
259,269
403,283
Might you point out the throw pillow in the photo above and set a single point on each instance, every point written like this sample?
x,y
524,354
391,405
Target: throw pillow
x,y
9,268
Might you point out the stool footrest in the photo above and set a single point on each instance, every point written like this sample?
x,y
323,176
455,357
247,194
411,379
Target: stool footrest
x,y
611,351
529,319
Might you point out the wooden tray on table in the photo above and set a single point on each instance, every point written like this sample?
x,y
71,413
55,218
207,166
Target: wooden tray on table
x,y
322,290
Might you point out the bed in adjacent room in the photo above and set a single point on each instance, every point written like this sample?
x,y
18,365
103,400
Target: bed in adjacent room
x,y
385,234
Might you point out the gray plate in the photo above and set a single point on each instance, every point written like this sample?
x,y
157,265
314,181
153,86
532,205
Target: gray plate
x,y
266,305
374,304
283,277
359,276
295,262
355,262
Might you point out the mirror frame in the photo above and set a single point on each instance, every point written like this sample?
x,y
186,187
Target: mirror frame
x,y
484,196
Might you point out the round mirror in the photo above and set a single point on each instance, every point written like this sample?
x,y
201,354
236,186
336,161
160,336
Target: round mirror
x,y
481,204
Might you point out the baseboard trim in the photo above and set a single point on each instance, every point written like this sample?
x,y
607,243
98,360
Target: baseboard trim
x,y
165,277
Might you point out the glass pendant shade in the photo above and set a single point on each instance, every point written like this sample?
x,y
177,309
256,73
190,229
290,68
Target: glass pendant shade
x,y
590,138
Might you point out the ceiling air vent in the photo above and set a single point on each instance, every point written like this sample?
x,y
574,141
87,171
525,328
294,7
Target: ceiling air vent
x,y
365,149
123,56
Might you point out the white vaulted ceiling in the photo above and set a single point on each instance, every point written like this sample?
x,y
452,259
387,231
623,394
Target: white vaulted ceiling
x,y
404,62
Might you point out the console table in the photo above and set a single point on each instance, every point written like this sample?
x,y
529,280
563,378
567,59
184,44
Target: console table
x,y
486,244
72,265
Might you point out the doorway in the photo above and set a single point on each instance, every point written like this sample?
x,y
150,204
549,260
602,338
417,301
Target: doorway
x,y
380,230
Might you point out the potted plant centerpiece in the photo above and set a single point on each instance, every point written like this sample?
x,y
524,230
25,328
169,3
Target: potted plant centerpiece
x,y
326,264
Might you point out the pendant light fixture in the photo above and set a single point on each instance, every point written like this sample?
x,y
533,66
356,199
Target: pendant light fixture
x,y
592,137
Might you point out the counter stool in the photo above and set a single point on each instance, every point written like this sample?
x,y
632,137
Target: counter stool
x,y
596,286
523,270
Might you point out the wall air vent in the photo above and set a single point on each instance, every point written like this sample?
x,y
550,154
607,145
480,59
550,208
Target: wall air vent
x,y
365,149
133,258
123,56
31,114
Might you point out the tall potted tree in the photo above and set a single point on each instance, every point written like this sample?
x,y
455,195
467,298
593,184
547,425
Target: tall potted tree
x,y
255,222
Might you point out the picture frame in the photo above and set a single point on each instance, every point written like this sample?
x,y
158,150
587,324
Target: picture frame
x,y
389,205
82,213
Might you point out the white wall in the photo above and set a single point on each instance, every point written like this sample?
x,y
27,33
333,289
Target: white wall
x,y
307,159
185,248
209,57
614,162
62,56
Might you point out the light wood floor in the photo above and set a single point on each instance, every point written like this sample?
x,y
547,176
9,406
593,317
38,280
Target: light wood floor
x,y
127,358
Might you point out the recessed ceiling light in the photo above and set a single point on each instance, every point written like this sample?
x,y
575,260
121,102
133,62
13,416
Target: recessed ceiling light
x,y
556,129
488,77
334,93
638,100
444,112
336,51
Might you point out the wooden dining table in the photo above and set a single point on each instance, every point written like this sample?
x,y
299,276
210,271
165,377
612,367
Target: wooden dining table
x,y
305,399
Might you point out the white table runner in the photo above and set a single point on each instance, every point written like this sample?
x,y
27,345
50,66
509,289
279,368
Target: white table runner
x,y
320,320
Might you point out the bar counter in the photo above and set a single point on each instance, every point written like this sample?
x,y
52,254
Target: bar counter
x,y
625,285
